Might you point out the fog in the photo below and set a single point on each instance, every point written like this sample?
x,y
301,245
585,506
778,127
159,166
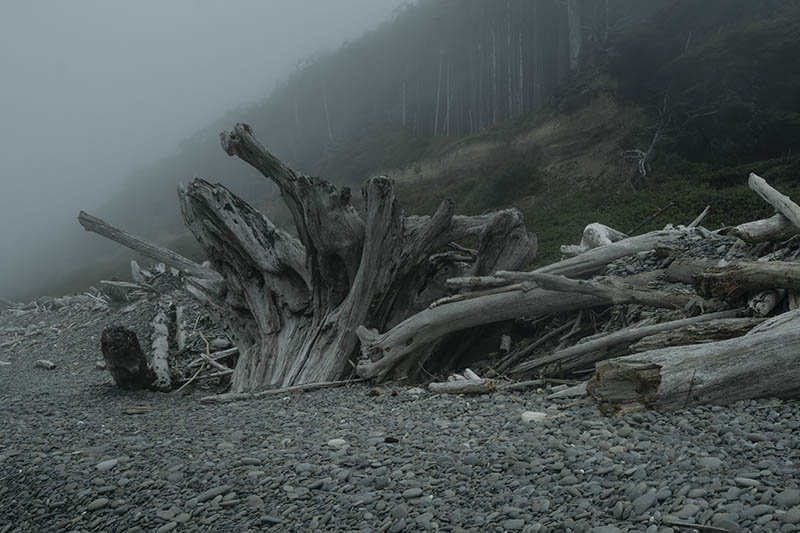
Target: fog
x,y
93,90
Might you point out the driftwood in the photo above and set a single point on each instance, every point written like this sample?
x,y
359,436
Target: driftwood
x,y
127,363
734,281
594,236
235,397
711,331
144,247
614,291
782,203
291,304
464,386
382,351
589,352
775,228
756,365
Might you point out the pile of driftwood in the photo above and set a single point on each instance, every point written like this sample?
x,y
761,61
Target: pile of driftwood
x,y
382,296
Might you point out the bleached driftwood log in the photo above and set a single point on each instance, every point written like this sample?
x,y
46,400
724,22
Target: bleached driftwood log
x,y
464,386
756,365
733,281
589,352
782,203
775,228
614,291
594,236
382,351
144,247
293,304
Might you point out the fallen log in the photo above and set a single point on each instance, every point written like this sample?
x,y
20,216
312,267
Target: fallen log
x,y
711,331
464,386
734,281
777,228
144,247
613,290
782,203
591,351
757,365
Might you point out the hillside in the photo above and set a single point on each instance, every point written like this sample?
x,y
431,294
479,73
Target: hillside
x,y
500,103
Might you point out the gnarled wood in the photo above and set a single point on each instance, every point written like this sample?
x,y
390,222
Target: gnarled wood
x,y
293,304
382,351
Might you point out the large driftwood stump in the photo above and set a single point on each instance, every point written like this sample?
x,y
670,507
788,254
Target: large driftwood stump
x,y
293,304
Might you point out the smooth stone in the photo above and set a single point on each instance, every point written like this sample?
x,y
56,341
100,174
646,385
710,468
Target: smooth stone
x,y
787,498
712,463
606,529
644,502
792,516
514,524
99,503
255,501
758,510
169,526
337,443
746,482
212,493
414,492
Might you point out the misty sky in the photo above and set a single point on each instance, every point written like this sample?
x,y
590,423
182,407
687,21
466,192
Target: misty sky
x,y
92,90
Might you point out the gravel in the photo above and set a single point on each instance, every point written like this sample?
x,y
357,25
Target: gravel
x,y
345,460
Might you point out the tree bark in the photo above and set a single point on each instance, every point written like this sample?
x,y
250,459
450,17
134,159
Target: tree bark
x,y
293,304
756,365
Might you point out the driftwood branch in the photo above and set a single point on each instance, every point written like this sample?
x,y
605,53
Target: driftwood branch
x,y
782,203
733,281
589,352
144,247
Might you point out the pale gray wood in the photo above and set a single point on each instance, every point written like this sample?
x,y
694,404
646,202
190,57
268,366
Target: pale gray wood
x,y
465,386
782,203
382,351
758,365
733,281
775,228
293,304
589,352
711,331
144,247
